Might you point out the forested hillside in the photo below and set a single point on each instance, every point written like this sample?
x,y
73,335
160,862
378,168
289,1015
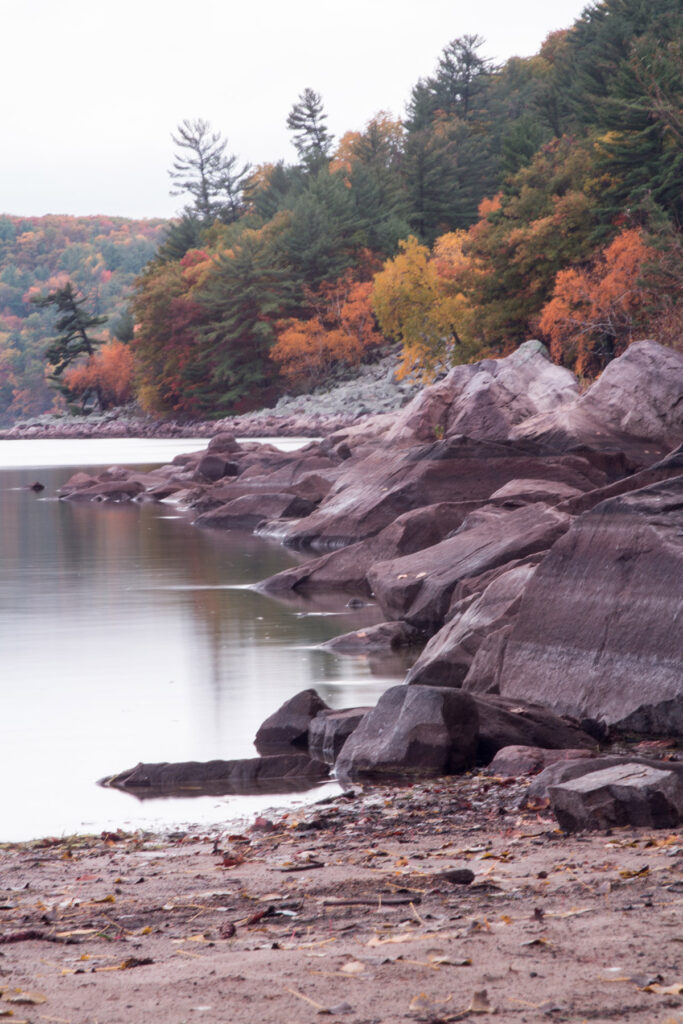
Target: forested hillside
x,y
101,256
539,198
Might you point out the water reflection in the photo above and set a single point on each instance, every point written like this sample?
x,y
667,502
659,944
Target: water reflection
x,y
128,635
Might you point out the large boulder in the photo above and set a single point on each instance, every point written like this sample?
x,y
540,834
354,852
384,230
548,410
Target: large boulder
x,y
575,768
598,634
486,399
413,730
635,405
629,794
288,726
448,656
419,587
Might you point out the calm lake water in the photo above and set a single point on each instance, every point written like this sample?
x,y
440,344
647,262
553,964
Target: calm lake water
x,y
127,634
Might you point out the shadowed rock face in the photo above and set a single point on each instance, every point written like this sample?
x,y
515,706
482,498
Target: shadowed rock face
x,y
504,722
413,730
599,633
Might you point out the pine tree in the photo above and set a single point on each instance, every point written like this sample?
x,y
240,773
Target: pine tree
x,y
203,170
73,324
306,120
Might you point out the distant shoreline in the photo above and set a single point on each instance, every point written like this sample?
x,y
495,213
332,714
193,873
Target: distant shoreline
x,y
261,424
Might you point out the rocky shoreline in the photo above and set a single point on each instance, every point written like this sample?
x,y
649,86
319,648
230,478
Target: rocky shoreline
x,y
526,536
369,389
529,861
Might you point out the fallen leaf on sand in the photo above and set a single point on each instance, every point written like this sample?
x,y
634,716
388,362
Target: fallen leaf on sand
x,y
340,1008
353,967
30,998
666,990
635,874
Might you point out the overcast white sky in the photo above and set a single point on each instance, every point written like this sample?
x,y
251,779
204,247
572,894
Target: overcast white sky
x,y
90,90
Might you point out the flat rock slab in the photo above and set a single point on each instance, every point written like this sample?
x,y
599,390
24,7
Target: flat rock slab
x,y
598,634
413,730
277,774
566,771
629,794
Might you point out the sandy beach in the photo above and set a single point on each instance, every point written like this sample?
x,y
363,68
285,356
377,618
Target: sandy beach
x,y
437,901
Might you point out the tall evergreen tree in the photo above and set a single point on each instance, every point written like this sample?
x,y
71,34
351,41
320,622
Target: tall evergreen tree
x,y
242,300
312,139
202,169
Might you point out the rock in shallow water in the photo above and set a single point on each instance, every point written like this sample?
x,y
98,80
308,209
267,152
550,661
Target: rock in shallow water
x,y
276,774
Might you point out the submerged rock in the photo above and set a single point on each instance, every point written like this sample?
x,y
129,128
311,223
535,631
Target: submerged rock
x,y
275,774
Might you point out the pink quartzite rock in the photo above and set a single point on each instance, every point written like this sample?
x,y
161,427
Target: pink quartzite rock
x,y
629,794
288,726
413,730
419,587
486,399
599,633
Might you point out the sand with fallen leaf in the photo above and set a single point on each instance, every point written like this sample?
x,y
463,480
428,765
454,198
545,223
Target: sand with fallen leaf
x,y
348,911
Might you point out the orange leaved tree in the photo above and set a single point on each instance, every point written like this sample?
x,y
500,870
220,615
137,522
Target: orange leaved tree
x,y
108,374
341,331
595,312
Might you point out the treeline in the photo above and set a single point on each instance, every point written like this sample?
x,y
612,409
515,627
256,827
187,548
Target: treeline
x,y
539,198
100,256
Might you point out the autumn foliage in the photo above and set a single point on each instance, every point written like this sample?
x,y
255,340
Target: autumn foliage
x,y
341,331
597,311
418,300
108,374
